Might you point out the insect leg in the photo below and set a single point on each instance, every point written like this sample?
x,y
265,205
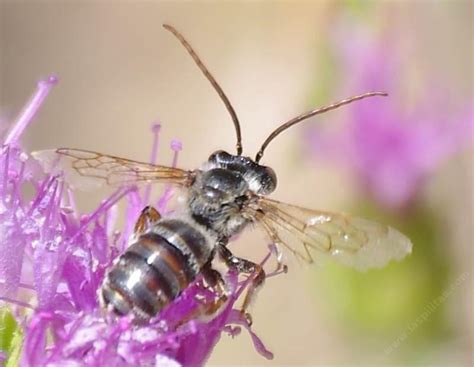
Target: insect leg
x,y
148,216
254,270
215,281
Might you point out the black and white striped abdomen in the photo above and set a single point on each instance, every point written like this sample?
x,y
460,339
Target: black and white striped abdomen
x,y
156,268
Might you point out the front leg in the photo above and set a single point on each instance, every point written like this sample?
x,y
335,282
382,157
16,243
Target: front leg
x,y
246,267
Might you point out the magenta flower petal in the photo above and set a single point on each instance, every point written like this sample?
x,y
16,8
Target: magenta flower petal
x,y
12,240
30,110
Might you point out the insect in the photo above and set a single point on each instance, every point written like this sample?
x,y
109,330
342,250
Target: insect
x,y
222,198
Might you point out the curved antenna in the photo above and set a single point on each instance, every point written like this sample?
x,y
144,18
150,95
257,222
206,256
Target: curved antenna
x,y
309,114
216,86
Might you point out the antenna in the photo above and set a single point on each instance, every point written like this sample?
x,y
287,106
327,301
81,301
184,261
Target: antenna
x,y
311,113
216,86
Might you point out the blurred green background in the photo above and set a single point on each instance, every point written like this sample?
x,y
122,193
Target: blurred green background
x,y
120,71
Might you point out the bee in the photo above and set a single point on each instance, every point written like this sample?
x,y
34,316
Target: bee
x,y
225,196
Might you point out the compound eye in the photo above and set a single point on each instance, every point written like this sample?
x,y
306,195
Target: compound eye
x,y
268,181
221,158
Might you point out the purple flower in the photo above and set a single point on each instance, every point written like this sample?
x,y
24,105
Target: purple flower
x,y
53,260
391,147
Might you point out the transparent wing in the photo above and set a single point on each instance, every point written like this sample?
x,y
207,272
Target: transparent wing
x,y
83,169
349,240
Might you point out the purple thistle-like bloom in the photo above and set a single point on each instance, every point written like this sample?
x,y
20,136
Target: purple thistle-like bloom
x,y
53,260
391,147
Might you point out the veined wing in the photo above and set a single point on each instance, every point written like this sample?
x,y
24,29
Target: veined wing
x,y
84,169
352,241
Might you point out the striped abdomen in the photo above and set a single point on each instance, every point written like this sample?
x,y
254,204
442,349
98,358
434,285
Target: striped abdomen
x,y
155,269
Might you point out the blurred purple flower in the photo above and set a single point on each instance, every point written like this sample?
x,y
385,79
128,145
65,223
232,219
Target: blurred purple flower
x,y
390,148
52,261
